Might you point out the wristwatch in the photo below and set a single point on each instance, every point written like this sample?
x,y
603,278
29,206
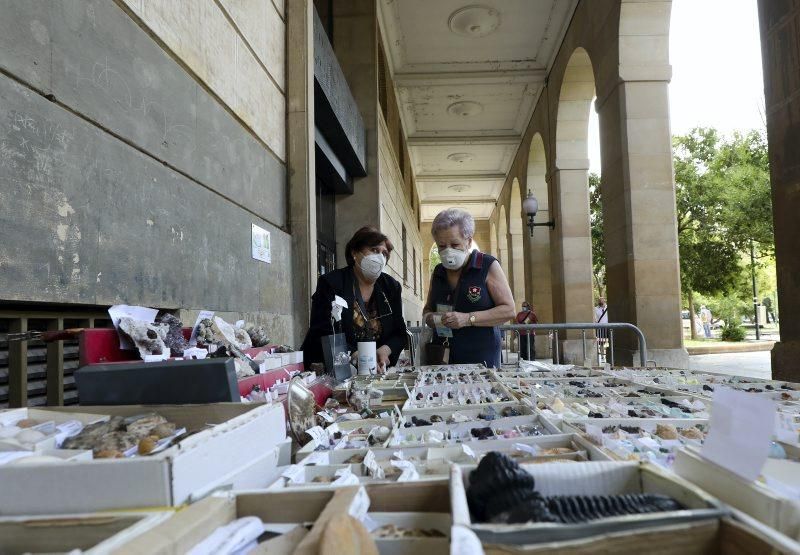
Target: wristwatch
x,y
471,319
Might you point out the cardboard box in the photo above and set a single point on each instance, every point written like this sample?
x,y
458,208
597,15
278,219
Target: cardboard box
x,y
585,478
91,534
229,437
753,498
705,537
48,420
386,503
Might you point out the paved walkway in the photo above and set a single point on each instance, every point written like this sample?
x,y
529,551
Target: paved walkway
x,y
754,365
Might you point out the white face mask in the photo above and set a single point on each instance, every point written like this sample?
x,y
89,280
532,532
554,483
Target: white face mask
x,y
453,259
372,265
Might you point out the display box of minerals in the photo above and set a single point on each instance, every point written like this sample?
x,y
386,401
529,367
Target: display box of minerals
x,y
91,534
506,503
725,535
214,446
775,508
411,520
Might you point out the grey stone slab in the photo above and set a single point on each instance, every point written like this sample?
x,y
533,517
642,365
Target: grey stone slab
x,y
104,66
86,218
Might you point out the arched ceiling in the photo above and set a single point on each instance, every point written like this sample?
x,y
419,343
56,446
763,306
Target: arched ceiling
x,y
468,76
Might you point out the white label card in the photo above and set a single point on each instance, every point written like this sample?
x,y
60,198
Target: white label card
x,y
318,436
296,474
740,431
595,433
261,244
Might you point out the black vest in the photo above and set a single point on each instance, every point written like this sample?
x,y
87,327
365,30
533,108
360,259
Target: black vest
x,y
472,344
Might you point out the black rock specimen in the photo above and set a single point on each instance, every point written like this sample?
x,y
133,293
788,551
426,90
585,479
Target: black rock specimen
x,y
501,492
174,339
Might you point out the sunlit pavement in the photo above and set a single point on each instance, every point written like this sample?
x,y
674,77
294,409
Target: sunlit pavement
x,y
753,365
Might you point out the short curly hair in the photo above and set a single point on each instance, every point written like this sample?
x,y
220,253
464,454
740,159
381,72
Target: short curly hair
x,y
367,236
454,216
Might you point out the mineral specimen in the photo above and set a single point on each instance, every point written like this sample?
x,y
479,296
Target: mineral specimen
x,y
243,340
666,431
500,491
258,336
174,339
205,332
111,439
148,338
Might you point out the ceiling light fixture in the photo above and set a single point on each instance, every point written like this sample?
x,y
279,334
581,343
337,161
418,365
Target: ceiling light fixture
x,y
460,188
465,108
474,21
461,157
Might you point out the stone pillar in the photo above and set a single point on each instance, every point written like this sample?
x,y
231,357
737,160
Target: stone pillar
x,y
300,158
538,270
517,267
780,42
355,42
640,222
571,253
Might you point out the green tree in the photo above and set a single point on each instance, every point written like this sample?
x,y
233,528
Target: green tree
x,y
598,245
709,256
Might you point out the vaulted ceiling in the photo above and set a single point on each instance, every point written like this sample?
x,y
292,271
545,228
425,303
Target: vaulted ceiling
x,y
468,77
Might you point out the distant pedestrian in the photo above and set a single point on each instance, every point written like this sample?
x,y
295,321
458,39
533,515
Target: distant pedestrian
x,y
601,316
705,318
527,348
767,302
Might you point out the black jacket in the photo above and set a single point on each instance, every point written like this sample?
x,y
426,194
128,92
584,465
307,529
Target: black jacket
x,y
340,282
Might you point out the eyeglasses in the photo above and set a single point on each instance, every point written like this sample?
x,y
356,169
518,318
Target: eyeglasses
x,y
362,310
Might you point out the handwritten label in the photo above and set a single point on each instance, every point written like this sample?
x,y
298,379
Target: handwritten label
x,y
296,474
360,505
318,436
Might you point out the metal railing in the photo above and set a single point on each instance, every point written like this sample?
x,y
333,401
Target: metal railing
x,y
415,331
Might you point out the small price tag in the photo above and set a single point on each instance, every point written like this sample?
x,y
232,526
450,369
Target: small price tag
x,y
318,436
360,505
408,471
319,458
595,433
325,416
468,451
295,474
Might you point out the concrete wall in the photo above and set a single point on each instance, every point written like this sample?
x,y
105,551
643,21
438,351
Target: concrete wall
x,y
137,148
396,213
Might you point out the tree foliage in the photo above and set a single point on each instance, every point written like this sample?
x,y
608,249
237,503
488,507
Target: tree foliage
x,y
724,202
598,245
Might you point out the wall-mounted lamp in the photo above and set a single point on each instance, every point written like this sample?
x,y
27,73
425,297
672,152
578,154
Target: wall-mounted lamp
x,y
531,207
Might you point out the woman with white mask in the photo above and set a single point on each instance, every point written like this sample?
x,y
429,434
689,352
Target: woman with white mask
x,y
374,309
469,295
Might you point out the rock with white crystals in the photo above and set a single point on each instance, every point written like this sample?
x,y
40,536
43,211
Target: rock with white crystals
x,y
243,340
174,339
258,336
148,338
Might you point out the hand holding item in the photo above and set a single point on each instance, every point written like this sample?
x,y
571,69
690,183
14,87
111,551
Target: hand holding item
x,y
383,358
455,320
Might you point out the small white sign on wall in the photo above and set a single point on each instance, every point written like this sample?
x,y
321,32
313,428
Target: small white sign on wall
x,y
261,244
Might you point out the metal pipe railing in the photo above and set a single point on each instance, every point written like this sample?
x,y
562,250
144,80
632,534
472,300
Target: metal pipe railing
x,y
555,328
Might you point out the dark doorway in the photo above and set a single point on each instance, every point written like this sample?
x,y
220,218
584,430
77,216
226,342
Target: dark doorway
x,y
326,228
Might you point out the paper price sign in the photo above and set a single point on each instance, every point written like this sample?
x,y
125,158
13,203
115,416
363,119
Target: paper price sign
x,y
318,436
595,433
295,474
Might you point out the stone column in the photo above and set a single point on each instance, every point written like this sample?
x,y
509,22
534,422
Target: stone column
x,y
300,158
517,267
640,222
571,254
780,42
538,271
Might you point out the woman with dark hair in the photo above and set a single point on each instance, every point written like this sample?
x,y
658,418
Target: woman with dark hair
x,y
374,301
